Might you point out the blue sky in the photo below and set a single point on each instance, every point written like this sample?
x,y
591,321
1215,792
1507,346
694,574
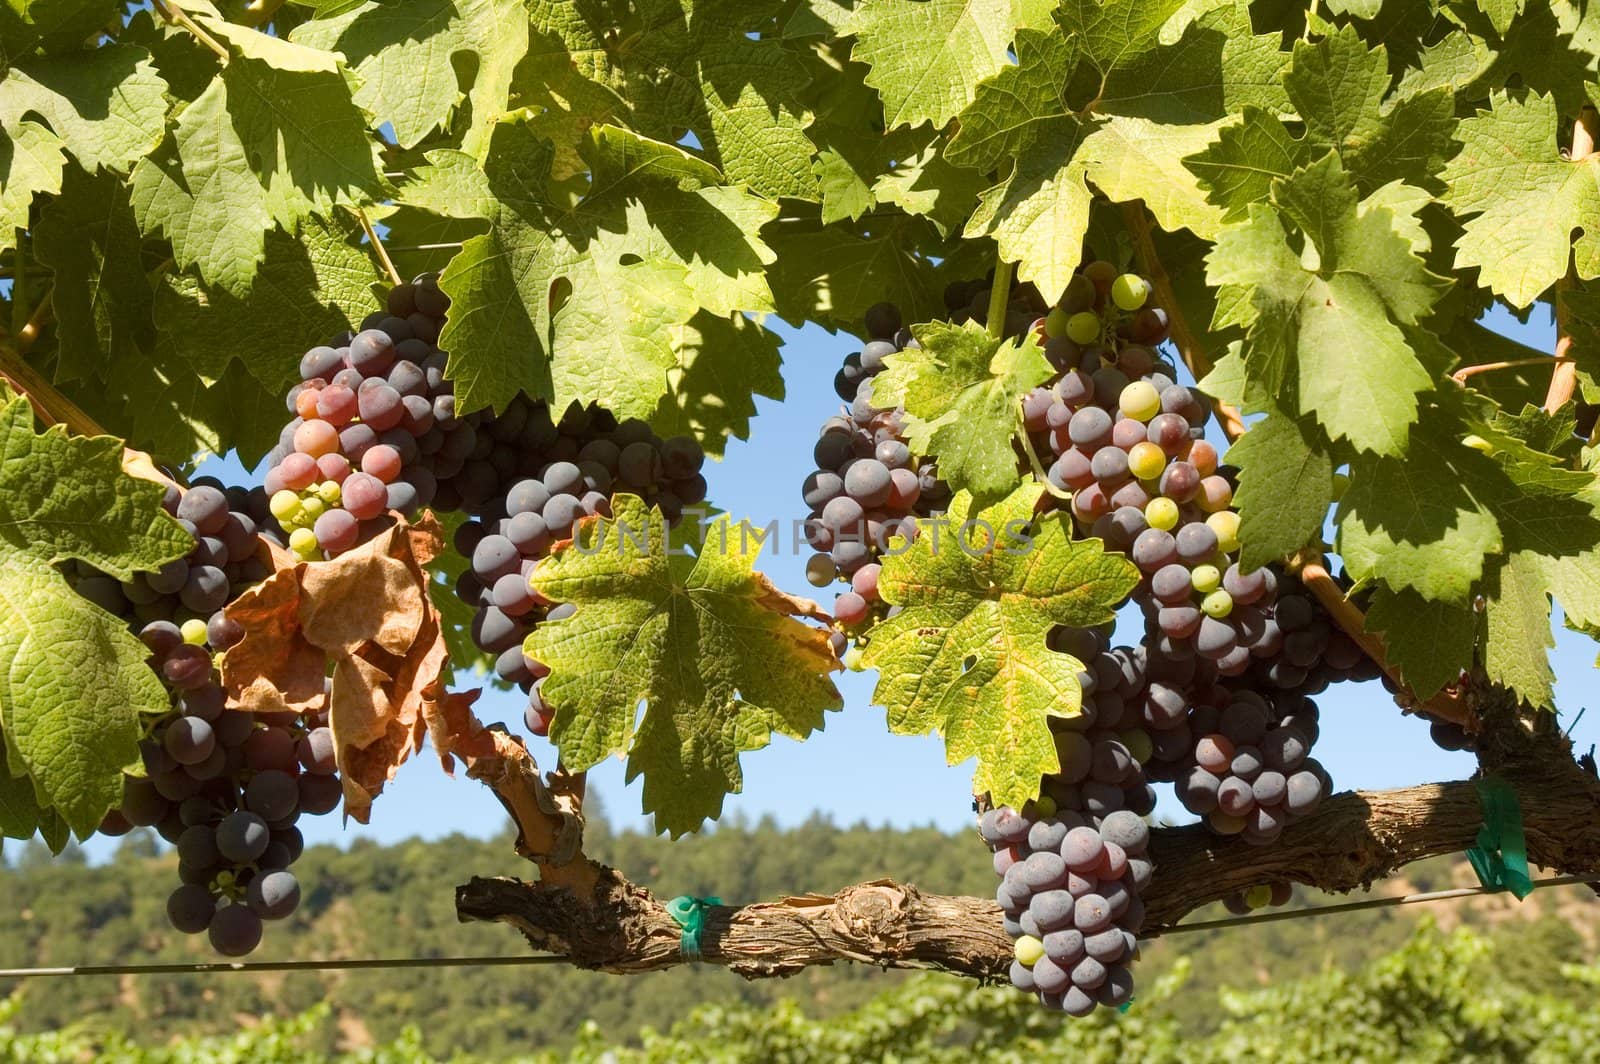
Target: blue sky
x,y
854,770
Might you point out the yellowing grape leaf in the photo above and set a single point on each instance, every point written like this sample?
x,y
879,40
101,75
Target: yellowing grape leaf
x,y
715,655
73,679
966,656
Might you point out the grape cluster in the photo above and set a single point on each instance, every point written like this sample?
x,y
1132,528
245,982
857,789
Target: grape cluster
x,y
1073,863
1215,699
376,429
585,458
1252,772
223,785
867,488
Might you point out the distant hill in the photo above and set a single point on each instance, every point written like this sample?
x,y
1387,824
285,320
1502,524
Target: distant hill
x,y
386,901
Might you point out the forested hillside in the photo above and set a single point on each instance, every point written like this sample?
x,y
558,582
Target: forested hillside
x,y
396,901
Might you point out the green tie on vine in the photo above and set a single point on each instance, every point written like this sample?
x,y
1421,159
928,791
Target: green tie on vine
x,y
1501,856
690,913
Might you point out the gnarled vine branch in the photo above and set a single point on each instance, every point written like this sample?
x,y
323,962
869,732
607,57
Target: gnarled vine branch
x,y
602,921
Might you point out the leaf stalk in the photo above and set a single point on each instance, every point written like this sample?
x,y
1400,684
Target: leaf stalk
x,y
999,295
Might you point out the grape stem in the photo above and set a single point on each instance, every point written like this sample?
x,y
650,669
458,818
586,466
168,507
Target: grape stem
x,y
175,15
1039,473
378,249
1564,379
1460,376
1446,705
49,405
999,294
1137,220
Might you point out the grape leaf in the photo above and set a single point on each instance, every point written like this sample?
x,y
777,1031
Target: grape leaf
x,y
1428,521
73,679
1039,213
274,140
655,238
102,298
927,184
1517,637
312,286
831,275
19,810
106,104
1524,198
1238,169
706,67
1285,488
723,364
1429,641
844,193
928,57
961,391
406,55
31,159
1324,330
715,654
1338,85
966,656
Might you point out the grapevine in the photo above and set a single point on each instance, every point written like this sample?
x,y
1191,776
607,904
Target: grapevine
x,y
1178,397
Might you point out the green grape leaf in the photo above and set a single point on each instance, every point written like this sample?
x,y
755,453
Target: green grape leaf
x,y
927,57
1579,307
961,391
707,67
1324,330
1285,488
31,159
927,184
1521,200
107,105
19,810
1238,169
311,286
406,55
831,274
1429,521
73,679
723,364
1114,34
1215,67
264,145
966,657
1338,85
1517,636
716,655
844,193
1429,641
1017,106
1039,214
579,302
101,297
1137,159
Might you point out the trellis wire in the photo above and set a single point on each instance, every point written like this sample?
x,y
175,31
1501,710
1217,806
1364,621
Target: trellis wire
x,y
354,964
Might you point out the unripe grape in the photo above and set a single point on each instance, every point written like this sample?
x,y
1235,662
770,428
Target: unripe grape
x,y
1130,291
1206,578
1225,523
1083,327
1146,460
1162,513
1139,401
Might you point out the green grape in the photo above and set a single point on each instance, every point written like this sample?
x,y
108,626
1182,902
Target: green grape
x,y
1140,401
1055,323
1218,604
1161,512
285,505
194,632
329,492
1083,327
1130,291
1205,578
1146,460
303,542
1225,523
